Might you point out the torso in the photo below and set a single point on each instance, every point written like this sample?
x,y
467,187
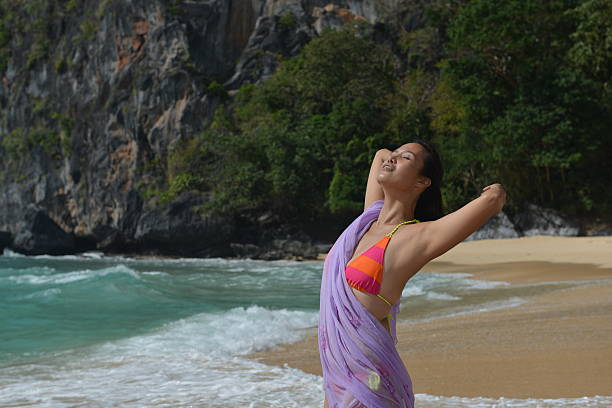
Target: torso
x,y
398,267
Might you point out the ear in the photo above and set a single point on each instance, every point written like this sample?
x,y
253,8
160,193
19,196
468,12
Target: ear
x,y
424,181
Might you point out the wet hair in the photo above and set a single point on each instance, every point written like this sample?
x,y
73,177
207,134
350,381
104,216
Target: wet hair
x,y
429,205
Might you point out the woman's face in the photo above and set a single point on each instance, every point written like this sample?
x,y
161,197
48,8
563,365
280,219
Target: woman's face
x,y
401,169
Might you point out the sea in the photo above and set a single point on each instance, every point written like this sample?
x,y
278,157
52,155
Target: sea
x,y
91,330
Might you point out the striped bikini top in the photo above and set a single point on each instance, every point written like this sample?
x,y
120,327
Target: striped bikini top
x,y
364,273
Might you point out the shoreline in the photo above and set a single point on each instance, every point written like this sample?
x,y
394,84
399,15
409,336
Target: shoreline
x,y
592,249
556,345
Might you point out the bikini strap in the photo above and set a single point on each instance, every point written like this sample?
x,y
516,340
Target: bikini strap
x,y
385,300
389,316
390,234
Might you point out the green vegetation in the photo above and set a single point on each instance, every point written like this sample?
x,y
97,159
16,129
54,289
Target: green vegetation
x,y
89,28
14,142
527,113
102,7
287,21
294,142
5,36
21,142
60,64
513,92
71,5
216,88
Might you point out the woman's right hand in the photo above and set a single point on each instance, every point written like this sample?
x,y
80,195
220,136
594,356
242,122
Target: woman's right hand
x,y
496,190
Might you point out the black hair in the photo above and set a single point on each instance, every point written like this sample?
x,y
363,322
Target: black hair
x,y
429,205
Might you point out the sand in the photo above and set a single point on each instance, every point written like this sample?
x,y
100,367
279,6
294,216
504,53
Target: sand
x,y
558,344
594,250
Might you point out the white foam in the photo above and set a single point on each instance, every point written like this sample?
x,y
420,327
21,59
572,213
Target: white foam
x,y
471,309
45,270
432,401
425,283
234,332
412,290
155,273
441,296
191,362
481,284
44,294
12,254
68,277
465,281
94,255
46,256
168,378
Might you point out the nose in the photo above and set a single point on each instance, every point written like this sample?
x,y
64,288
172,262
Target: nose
x,y
391,158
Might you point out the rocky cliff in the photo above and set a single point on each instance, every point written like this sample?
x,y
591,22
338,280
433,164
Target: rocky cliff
x,y
94,96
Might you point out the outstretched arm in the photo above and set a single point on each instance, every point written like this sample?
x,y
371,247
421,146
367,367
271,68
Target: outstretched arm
x,y
374,191
446,232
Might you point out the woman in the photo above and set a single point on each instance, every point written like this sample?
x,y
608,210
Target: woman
x,y
400,230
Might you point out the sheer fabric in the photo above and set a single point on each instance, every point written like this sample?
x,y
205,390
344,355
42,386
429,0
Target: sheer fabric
x,y
361,366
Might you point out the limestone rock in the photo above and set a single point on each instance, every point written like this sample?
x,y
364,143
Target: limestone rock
x,y
5,240
333,17
40,235
498,226
536,220
274,37
177,229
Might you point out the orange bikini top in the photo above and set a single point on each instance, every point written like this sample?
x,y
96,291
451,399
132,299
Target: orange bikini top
x,y
364,273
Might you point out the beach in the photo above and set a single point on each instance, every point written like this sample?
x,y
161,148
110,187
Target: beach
x,y
556,342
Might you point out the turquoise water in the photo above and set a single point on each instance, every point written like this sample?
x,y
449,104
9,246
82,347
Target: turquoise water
x,y
55,303
96,331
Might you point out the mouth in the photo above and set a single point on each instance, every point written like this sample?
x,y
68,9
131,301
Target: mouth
x,y
387,166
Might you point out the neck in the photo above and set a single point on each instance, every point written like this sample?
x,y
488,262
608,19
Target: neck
x,y
396,210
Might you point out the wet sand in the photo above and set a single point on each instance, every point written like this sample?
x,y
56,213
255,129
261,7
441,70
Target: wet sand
x,y
558,344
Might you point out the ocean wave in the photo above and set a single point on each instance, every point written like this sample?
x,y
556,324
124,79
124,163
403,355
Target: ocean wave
x,y
471,309
234,332
465,281
441,296
12,254
93,255
61,278
46,294
414,290
188,378
196,361
423,284
166,378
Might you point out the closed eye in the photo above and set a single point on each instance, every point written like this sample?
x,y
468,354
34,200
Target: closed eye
x,y
407,153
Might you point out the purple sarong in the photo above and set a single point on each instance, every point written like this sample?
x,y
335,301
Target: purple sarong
x,y
361,366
